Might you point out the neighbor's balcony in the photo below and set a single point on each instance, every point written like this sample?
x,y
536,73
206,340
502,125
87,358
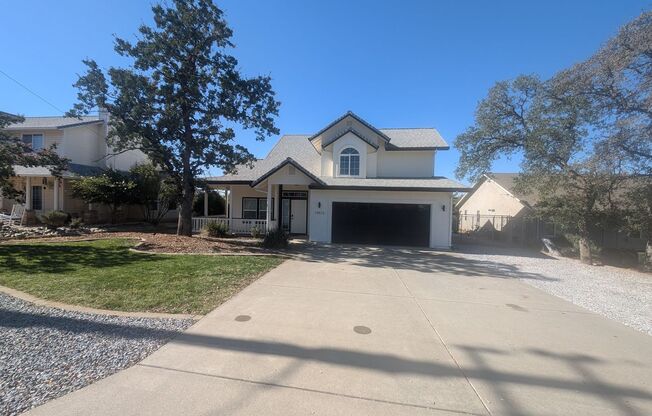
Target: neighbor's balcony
x,y
235,225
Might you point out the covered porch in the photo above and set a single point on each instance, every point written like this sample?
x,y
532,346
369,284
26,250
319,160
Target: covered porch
x,y
246,208
278,199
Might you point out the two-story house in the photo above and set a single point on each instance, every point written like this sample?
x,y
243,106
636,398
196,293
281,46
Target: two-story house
x,y
83,142
348,183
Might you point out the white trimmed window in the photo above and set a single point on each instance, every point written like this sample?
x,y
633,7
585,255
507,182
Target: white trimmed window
x,y
349,162
35,141
256,208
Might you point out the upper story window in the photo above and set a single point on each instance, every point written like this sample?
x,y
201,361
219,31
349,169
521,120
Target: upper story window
x,y
35,141
349,162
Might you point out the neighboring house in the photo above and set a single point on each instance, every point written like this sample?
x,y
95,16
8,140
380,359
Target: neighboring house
x,y
495,209
348,183
83,142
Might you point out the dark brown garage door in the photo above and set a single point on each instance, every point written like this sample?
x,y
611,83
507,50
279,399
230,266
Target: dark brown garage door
x,y
391,224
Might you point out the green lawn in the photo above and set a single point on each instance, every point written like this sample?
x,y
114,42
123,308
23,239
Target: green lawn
x,y
105,274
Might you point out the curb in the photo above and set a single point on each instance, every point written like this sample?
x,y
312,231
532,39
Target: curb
x,y
75,308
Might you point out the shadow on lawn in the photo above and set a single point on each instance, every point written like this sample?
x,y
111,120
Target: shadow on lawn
x,y
67,257
585,378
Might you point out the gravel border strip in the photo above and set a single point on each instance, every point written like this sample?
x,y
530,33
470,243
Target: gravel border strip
x,y
84,309
48,352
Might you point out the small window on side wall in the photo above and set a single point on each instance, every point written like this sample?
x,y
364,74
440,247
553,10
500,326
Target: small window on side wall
x,y
35,141
349,162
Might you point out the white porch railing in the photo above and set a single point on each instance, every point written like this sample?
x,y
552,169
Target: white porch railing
x,y
234,225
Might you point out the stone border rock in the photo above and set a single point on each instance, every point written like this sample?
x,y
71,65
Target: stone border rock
x,y
75,308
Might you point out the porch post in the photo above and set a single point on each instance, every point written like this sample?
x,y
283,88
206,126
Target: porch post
x,y
206,202
227,212
28,192
56,194
268,213
63,195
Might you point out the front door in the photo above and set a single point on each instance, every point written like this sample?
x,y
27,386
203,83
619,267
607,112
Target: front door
x,y
298,211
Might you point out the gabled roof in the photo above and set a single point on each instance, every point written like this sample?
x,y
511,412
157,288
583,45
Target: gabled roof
x,y
295,147
301,152
52,123
507,181
351,114
355,133
288,161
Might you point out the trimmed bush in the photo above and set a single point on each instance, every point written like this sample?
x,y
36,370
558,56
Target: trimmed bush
x,y
276,239
256,232
55,219
216,229
76,223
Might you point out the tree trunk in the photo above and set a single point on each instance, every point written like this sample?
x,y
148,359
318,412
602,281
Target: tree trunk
x,y
184,226
585,250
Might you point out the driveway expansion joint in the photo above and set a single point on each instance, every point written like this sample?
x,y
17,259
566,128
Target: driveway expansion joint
x,y
309,390
441,339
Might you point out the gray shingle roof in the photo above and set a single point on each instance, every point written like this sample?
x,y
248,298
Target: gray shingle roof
x,y
52,122
300,149
296,147
437,182
74,170
415,138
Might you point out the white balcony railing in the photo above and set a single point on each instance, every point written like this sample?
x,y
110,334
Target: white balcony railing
x,y
234,225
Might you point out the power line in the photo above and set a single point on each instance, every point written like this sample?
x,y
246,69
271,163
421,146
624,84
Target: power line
x,y
31,91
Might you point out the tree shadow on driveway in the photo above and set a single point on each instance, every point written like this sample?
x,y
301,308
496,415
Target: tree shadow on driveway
x,y
409,258
587,380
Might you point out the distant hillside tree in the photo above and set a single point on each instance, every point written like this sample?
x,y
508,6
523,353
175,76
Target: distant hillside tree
x,y
181,98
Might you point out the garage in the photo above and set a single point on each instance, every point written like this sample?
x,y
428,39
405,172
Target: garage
x,y
381,224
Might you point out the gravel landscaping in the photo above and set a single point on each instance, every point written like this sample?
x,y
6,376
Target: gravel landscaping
x,y
46,352
623,295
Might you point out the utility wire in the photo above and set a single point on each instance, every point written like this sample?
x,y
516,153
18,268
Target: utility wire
x,y
31,91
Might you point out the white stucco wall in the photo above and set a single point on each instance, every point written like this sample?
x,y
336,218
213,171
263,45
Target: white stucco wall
x,y
124,161
285,176
320,218
406,164
82,145
331,156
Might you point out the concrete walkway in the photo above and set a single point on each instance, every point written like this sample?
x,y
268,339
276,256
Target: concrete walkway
x,y
357,331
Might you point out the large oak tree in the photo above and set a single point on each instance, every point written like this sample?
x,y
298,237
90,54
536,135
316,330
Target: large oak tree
x,y
585,136
181,98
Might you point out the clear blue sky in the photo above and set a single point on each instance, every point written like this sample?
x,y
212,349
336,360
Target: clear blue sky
x,y
395,63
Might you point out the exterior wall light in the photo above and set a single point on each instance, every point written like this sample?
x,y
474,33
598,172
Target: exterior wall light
x,y
443,208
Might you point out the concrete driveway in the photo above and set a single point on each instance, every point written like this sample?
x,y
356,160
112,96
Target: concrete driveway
x,y
347,330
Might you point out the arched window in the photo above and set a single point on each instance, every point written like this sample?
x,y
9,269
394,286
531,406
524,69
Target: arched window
x,y
349,162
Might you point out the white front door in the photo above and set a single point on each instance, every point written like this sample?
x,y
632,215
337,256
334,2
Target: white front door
x,y
298,216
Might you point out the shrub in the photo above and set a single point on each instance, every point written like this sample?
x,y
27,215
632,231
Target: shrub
x,y
216,229
256,232
276,239
76,223
55,219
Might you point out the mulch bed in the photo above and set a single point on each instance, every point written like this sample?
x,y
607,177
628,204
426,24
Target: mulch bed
x,y
170,243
